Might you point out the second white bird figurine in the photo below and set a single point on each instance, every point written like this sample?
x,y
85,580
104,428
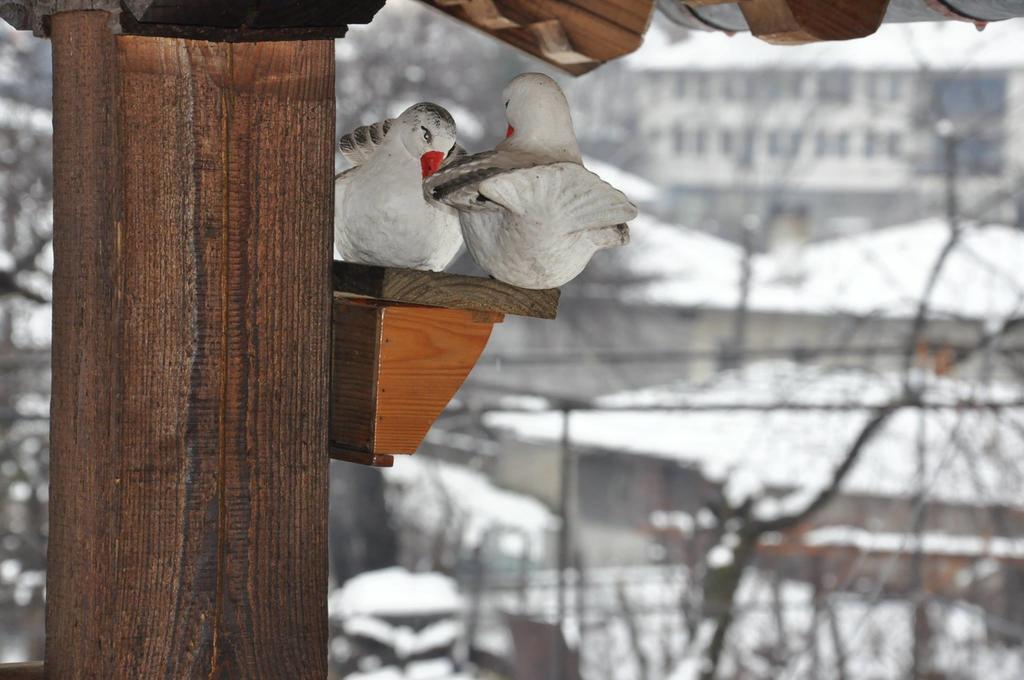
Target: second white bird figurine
x,y
531,214
381,215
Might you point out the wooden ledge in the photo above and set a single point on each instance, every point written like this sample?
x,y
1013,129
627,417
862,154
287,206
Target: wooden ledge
x,y
32,670
434,289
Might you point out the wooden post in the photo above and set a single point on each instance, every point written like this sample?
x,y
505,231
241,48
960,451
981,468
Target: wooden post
x,y
191,314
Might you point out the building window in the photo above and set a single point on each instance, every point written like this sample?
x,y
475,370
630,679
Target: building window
x,y
796,85
679,86
895,87
842,144
834,86
734,86
746,158
870,144
821,144
871,85
830,144
970,99
703,87
725,142
895,145
785,144
700,142
679,140
978,155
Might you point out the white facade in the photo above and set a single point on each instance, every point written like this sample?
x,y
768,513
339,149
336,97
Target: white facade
x,y
732,126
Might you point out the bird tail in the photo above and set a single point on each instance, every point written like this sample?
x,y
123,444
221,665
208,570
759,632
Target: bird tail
x,y
610,237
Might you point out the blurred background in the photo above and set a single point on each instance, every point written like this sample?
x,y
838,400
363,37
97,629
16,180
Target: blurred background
x,y
779,435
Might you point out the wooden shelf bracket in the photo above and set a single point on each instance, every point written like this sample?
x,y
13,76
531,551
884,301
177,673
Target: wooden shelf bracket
x,y
403,343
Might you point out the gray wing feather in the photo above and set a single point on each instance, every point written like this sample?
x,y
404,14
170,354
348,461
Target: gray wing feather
x,y
358,145
457,183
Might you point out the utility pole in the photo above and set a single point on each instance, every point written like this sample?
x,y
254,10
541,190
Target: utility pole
x,y
566,512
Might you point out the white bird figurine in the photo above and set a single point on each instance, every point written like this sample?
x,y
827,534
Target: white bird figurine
x,y
531,214
381,215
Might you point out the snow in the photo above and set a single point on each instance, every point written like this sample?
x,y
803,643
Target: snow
x,y
895,47
676,520
720,557
432,493
423,670
405,640
702,270
371,628
636,188
25,118
875,631
395,592
930,543
797,449
881,273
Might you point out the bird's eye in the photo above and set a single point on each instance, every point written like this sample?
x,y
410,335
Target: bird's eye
x,y
426,135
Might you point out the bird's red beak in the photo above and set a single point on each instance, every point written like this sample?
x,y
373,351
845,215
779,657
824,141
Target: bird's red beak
x,y
511,131
430,162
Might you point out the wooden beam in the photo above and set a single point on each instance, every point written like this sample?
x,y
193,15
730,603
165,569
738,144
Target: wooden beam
x,y
434,289
788,22
215,20
32,670
191,306
575,35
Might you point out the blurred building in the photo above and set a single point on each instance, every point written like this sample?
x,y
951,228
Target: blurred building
x,y
849,133
680,304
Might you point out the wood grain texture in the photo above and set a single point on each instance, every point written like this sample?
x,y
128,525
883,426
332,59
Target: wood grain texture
x,y
32,670
362,457
394,369
426,353
354,363
575,35
706,3
789,22
435,289
191,304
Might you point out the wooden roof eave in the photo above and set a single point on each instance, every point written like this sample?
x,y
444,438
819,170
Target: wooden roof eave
x,y
577,36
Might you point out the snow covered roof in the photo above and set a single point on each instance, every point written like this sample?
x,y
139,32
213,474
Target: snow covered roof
x,y
895,47
880,273
974,456
929,543
703,269
636,188
395,592
434,493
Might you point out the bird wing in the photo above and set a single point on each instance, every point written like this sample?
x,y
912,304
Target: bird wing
x,y
563,194
454,155
358,145
457,182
